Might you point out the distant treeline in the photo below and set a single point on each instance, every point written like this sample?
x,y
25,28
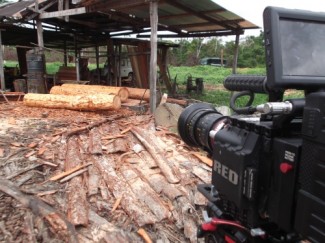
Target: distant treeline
x,y
190,51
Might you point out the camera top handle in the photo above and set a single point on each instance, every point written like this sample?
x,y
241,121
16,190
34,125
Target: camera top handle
x,y
249,85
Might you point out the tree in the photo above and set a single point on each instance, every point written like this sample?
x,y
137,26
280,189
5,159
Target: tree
x,y
251,51
212,48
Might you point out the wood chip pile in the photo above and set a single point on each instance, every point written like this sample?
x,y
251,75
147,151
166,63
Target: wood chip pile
x,y
106,176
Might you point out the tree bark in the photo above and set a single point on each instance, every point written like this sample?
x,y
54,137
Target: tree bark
x,y
77,205
120,189
78,102
58,223
171,172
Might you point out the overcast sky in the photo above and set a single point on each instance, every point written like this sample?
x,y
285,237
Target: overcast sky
x,y
252,10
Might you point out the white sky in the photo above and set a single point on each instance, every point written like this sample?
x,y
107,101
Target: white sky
x,y
252,10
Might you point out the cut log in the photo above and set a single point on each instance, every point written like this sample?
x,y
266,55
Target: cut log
x,y
139,94
77,206
77,89
79,102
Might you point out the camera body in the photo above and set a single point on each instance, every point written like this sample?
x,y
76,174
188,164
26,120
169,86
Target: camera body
x,y
268,182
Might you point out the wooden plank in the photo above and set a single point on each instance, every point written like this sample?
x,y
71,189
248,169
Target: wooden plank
x,y
63,13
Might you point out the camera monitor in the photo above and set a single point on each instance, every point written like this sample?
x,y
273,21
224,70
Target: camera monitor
x,y
295,48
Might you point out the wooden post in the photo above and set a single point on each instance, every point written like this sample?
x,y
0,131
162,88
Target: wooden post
x,y
39,30
153,55
65,56
108,77
221,56
110,51
60,5
114,64
234,65
2,76
40,35
119,66
97,63
66,5
77,56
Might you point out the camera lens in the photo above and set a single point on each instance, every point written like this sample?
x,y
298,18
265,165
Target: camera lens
x,y
196,122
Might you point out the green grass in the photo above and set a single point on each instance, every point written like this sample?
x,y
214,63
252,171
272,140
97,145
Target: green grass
x,y
213,84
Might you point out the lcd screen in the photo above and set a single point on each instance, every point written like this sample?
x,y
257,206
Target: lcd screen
x,y
302,48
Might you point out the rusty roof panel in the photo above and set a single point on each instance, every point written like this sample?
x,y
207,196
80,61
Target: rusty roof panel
x,y
12,8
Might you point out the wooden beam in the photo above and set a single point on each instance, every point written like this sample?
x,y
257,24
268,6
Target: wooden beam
x,y
36,13
234,64
153,55
60,5
197,34
184,26
66,6
40,40
172,16
85,23
2,76
116,4
63,13
135,22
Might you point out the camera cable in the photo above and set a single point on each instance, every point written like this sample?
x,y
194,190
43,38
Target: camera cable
x,y
247,109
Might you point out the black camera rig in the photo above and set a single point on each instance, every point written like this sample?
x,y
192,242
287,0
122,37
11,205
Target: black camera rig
x,y
268,182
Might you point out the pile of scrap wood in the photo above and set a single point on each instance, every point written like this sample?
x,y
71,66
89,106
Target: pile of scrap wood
x,y
96,177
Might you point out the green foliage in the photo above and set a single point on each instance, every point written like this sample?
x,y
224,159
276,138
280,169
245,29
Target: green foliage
x,y
190,51
251,52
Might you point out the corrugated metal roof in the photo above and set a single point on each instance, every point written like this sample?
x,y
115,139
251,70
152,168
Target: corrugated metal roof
x,y
189,15
184,18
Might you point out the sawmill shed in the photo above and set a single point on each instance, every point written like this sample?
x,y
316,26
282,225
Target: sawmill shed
x,y
78,24
97,171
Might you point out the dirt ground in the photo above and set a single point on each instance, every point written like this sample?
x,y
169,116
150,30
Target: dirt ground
x,y
114,176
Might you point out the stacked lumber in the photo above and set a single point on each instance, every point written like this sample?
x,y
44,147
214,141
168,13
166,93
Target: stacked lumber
x,y
76,102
